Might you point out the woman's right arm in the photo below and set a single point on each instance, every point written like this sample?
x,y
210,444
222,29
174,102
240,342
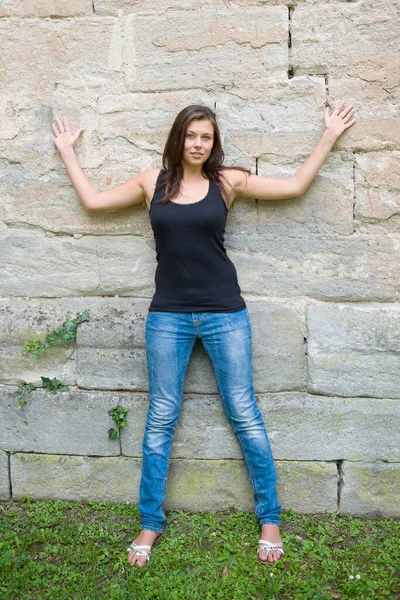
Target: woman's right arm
x,y
121,196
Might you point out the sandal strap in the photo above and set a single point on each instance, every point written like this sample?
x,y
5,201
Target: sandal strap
x,y
140,550
267,546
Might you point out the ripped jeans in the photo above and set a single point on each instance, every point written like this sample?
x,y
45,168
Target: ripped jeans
x,y
226,337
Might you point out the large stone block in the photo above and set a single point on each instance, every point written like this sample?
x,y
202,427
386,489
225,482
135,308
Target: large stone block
x,y
4,477
46,8
51,265
337,267
125,7
192,485
353,350
41,53
80,478
221,48
370,490
337,34
74,422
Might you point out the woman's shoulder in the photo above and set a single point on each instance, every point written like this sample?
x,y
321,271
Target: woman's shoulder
x,y
234,177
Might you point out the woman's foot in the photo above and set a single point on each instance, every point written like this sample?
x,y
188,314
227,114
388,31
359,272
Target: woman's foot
x,y
145,537
270,533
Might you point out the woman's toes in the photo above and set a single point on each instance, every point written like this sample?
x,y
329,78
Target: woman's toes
x,y
262,556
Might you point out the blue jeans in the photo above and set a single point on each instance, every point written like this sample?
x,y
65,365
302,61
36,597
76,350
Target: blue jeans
x,y
226,337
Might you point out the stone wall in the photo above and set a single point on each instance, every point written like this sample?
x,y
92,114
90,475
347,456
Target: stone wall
x,y
320,274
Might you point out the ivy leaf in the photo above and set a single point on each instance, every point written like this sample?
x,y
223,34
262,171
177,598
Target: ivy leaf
x,y
113,434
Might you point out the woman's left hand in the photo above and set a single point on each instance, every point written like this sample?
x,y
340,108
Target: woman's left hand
x,y
339,120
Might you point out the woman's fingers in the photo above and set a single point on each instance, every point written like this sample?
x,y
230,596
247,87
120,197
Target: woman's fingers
x,y
348,115
60,125
339,106
55,129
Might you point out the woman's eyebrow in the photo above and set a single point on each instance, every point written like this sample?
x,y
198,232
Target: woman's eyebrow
x,y
191,131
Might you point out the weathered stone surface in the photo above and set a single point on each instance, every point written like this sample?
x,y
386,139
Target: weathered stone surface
x,y
4,476
143,120
370,490
254,123
125,7
325,207
368,32
51,265
192,485
242,46
220,485
279,361
336,267
300,427
371,83
338,33
25,320
353,350
46,8
377,207
109,356
74,422
111,350
81,478
42,53
341,267
56,208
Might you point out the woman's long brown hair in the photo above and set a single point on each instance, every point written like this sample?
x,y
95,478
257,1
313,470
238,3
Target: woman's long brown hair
x,y
173,152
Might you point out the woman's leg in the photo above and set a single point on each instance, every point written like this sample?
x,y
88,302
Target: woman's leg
x,y
170,340
227,340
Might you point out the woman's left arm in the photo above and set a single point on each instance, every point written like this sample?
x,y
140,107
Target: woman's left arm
x,y
335,125
264,188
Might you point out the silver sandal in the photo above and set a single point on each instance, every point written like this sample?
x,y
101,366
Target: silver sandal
x,y
267,546
140,550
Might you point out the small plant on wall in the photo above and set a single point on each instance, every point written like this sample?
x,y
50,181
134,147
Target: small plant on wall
x,y
118,415
64,334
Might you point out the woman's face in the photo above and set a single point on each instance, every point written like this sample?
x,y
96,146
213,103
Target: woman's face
x,y
199,141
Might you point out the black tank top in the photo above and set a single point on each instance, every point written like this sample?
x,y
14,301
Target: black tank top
x,y
194,272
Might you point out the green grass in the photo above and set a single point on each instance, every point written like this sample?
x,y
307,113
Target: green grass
x,y
68,550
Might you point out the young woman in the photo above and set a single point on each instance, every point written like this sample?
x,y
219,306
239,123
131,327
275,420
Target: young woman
x,y
197,295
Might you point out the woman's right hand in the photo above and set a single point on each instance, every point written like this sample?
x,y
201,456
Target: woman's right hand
x,y
62,136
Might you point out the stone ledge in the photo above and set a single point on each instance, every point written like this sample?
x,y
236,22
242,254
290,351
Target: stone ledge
x,y
192,484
